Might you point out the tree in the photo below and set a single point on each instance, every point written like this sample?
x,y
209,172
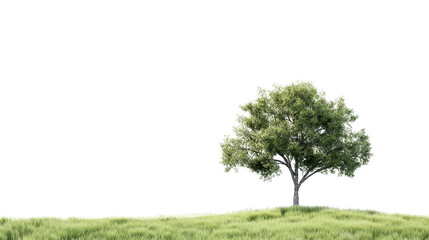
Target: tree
x,y
296,127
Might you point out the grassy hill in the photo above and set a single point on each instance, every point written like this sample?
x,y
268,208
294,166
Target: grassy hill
x,y
279,223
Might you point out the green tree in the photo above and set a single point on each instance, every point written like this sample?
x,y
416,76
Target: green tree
x,y
296,127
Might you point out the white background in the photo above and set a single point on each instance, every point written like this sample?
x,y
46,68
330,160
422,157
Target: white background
x,y
117,108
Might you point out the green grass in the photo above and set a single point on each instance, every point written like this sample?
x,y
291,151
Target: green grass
x,y
279,223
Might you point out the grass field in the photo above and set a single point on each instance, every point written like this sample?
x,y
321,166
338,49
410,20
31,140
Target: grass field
x,y
279,223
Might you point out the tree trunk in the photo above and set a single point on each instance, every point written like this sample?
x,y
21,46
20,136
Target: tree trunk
x,y
296,196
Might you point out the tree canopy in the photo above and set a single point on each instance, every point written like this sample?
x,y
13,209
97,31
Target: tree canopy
x,y
296,127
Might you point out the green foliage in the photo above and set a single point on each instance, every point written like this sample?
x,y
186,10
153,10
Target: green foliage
x,y
278,224
297,127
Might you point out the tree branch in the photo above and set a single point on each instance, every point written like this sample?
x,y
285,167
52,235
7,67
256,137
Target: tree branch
x,y
296,171
307,175
287,162
288,117
289,166
279,162
335,149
